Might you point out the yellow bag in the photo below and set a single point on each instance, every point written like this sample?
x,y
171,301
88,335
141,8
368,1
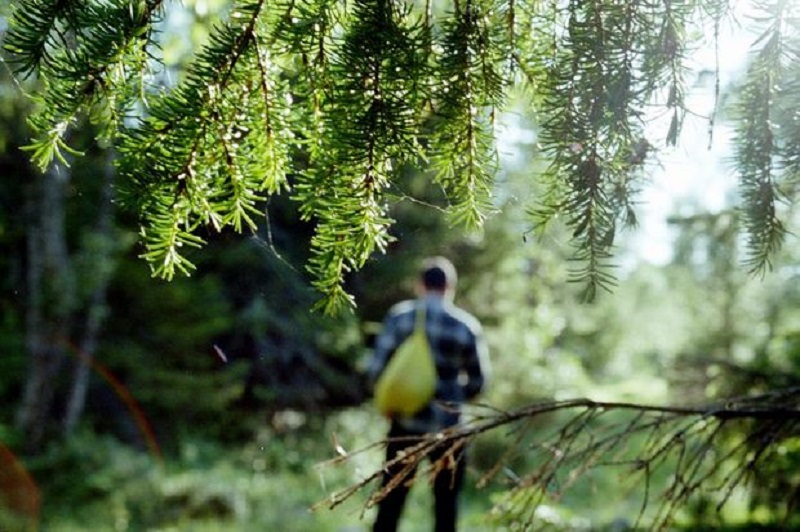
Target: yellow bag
x,y
408,382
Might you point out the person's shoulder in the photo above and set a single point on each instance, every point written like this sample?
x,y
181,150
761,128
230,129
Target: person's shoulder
x,y
403,307
461,315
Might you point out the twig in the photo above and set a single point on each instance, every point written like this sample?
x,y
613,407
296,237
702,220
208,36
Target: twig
x,y
677,437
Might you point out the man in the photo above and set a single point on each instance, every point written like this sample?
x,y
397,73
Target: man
x,y
460,355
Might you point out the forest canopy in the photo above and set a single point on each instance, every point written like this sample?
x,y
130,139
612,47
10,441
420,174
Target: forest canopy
x,y
329,102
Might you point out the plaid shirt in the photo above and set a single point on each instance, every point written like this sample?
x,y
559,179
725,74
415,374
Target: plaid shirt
x,y
460,353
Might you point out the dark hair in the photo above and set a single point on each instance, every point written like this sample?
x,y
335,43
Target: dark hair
x,y
438,273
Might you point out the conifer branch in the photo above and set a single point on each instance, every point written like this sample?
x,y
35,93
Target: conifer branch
x,y
463,155
341,96
86,55
756,146
370,128
239,158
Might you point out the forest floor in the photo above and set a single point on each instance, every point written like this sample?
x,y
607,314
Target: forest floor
x,y
280,480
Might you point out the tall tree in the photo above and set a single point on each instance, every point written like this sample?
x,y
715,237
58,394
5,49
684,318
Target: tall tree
x,y
68,264
51,301
98,266
58,235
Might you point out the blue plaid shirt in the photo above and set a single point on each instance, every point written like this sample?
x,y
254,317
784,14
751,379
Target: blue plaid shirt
x,y
460,353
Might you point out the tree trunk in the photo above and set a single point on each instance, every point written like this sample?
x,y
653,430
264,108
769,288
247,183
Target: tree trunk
x,y
100,261
50,301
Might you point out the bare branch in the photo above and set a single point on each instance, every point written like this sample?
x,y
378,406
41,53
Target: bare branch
x,y
695,446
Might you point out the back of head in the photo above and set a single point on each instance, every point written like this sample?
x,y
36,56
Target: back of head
x,y
438,275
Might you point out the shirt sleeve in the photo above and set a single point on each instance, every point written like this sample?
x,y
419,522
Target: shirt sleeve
x,y
476,364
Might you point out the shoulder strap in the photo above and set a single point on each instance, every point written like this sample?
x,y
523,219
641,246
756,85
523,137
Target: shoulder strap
x,y
419,320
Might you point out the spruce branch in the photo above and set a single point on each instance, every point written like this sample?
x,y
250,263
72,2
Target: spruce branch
x,y
341,96
34,25
225,161
593,139
462,146
86,54
756,147
370,128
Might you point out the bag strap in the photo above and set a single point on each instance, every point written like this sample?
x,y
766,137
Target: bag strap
x,y
419,319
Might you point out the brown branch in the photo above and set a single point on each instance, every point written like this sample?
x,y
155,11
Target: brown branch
x,y
679,438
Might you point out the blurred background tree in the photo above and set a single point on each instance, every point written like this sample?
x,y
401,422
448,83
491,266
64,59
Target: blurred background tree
x,y
230,377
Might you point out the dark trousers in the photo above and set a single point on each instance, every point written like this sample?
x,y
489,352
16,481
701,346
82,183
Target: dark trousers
x,y
446,485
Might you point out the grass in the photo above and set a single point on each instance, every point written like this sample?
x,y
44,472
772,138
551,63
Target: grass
x,y
272,482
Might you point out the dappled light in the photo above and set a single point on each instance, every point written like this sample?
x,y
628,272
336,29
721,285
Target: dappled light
x,y
223,233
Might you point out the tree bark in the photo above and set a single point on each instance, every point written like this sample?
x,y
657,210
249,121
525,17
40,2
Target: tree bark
x,y
100,261
50,301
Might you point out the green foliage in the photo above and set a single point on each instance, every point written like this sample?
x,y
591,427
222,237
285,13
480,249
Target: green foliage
x,y
759,159
470,76
370,126
90,55
169,329
302,110
198,159
329,101
101,464
269,482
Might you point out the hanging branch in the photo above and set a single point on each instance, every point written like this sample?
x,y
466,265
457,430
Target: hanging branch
x,y
462,145
756,146
182,171
89,57
341,95
716,447
588,136
370,127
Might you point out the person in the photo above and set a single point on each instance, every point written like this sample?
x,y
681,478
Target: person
x,y
460,355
